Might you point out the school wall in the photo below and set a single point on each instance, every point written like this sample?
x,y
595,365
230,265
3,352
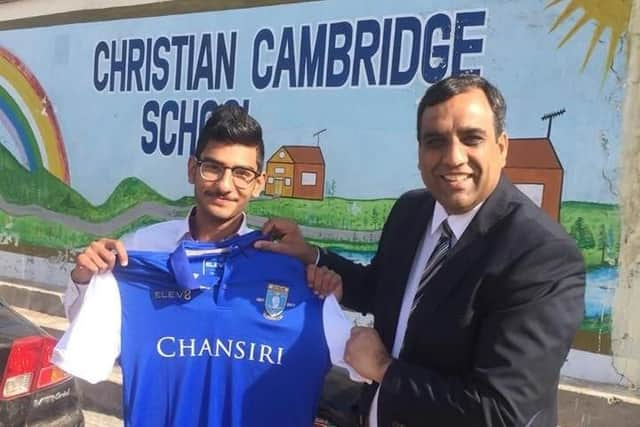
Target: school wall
x,y
527,48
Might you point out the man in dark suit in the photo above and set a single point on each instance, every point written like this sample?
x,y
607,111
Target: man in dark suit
x,y
476,292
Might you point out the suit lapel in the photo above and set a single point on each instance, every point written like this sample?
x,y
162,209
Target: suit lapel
x,y
407,248
472,245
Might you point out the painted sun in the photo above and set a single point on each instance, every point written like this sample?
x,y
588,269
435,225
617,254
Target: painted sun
x,y
612,15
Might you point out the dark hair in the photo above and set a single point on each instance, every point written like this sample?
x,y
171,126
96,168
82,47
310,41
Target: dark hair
x,y
451,86
231,124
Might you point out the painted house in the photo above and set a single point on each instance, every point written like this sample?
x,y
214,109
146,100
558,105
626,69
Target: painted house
x,y
533,166
296,171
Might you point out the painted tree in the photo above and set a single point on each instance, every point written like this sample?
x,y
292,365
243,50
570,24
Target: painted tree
x,y
330,187
603,242
583,235
614,245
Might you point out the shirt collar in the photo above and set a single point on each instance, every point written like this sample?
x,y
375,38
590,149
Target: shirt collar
x,y
185,233
457,223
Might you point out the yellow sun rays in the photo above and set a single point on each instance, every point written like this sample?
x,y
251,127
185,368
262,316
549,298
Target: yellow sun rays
x,y
609,14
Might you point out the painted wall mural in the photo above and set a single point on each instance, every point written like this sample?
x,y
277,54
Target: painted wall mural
x,y
29,119
612,17
97,120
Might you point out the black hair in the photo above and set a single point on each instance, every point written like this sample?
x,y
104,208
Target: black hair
x,y
231,124
451,86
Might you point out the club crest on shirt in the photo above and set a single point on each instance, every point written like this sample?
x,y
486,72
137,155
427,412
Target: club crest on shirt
x,y
275,301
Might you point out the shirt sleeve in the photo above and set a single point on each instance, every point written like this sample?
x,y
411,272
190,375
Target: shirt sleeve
x,y
74,294
337,330
91,344
318,251
72,298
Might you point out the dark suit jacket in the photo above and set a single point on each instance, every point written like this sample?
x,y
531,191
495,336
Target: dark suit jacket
x,y
486,343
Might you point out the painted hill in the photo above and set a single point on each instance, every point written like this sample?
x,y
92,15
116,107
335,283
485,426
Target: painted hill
x,y
41,188
41,199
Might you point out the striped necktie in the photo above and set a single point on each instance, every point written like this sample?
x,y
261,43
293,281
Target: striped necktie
x,y
434,263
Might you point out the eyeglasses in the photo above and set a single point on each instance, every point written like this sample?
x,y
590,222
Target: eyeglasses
x,y
213,171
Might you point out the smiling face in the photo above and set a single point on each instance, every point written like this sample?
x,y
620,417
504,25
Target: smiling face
x,y
460,157
222,201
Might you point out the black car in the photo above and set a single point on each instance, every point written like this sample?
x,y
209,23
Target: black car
x,y
33,392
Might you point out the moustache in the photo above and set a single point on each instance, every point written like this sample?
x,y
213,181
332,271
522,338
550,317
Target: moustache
x,y
218,195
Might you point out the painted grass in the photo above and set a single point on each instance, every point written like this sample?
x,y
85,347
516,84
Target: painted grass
x,y
600,325
598,218
38,232
332,212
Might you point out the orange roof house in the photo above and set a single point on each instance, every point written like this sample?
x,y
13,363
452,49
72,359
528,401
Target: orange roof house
x,y
533,166
296,171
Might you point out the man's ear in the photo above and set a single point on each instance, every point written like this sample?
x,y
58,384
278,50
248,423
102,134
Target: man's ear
x,y
259,187
192,169
503,146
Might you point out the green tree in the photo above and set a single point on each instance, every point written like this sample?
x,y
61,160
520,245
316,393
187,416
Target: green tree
x,y
603,242
330,187
614,246
582,234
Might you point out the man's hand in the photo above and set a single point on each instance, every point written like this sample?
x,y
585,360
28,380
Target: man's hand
x,y
366,353
287,240
98,257
324,281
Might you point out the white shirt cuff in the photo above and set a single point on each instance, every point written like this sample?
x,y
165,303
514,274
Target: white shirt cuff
x,y
337,330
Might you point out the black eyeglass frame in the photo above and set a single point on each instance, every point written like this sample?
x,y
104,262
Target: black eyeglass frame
x,y
238,180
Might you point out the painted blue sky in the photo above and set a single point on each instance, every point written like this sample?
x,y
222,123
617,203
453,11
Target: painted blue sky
x,y
369,147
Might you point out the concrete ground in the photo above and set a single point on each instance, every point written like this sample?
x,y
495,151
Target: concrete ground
x,y
96,419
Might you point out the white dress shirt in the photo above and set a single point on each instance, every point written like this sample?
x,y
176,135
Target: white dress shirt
x,y
458,224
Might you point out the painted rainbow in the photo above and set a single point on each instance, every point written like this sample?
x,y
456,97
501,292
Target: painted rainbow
x,y
28,117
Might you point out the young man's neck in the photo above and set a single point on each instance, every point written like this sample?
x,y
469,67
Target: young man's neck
x,y
207,229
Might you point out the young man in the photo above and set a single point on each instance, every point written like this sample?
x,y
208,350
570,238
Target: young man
x,y
476,292
205,326
226,172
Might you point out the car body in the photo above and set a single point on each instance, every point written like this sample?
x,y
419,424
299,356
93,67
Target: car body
x,y
33,392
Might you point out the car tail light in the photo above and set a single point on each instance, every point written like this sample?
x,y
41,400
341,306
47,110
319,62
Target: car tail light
x,y
49,373
29,367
